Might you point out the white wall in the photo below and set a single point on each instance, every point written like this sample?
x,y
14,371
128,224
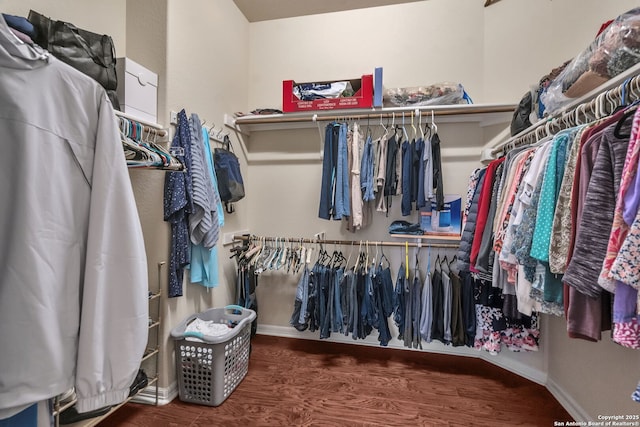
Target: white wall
x,y
416,43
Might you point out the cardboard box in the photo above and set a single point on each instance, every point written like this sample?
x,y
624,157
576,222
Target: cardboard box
x,y
447,222
362,98
137,90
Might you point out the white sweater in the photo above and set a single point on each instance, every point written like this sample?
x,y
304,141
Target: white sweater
x,y
73,268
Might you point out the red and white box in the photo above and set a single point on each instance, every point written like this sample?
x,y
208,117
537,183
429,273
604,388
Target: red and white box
x,y
362,97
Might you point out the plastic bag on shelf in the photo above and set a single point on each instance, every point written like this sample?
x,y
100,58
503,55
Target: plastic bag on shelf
x,y
437,94
616,49
311,91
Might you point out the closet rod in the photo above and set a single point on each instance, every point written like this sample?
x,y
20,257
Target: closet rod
x,y
603,95
153,127
346,242
438,110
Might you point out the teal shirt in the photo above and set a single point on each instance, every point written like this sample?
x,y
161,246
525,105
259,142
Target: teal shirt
x,y
204,262
548,195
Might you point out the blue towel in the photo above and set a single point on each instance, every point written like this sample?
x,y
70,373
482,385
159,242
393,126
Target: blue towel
x,y
21,24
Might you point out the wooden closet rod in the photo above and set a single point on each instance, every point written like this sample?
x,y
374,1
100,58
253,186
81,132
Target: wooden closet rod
x,y
347,242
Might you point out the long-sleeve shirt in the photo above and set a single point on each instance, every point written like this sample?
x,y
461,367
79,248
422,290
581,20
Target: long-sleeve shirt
x,y
73,288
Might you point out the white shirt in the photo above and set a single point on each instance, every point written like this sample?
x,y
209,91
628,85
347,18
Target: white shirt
x,y
73,268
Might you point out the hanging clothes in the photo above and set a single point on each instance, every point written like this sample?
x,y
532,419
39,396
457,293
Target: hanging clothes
x,y
476,182
381,176
327,207
605,153
203,221
407,177
178,205
437,328
204,262
626,206
438,184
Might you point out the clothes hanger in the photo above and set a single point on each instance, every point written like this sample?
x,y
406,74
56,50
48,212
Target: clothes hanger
x,y
406,259
420,123
630,112
415,131
383,257
404,129
383,126
434,127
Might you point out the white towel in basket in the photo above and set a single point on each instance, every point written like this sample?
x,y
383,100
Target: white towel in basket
x,y
207,327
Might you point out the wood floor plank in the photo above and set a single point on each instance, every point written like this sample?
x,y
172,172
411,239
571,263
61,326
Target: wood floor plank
x,y
314,383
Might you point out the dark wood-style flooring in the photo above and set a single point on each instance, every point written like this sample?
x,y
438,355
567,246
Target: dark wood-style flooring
x,y
317,383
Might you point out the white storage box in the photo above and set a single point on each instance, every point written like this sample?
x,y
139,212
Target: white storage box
x,y
137,90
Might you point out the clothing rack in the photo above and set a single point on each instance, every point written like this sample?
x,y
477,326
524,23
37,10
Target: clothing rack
x,y
153,128
599,103
418,244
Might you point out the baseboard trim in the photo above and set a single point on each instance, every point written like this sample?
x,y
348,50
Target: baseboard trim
x,y
510,365
576,411
147,395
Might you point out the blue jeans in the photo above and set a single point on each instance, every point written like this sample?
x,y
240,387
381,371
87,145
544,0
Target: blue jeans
x,y
336,324
343,202
299,317
398,301
325,301
366,171
383,288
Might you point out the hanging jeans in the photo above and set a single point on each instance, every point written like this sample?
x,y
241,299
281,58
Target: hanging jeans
x,y
366,171
345,301
326,302
416,311
398,302
383,287
299,316
336,323
342,200
426,316
326,209
468,308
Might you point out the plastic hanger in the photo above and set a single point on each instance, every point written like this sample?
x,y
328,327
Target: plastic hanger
x,y
434,127
404,129
383,257
631,111
415,131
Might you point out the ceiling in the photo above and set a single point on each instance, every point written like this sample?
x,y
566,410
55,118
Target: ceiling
x,y
264,10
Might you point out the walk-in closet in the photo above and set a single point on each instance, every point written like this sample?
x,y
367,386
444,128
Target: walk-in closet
x,y
120,225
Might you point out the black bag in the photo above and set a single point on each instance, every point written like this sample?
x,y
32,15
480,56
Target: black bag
x,y
520,120
227,166
92,54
